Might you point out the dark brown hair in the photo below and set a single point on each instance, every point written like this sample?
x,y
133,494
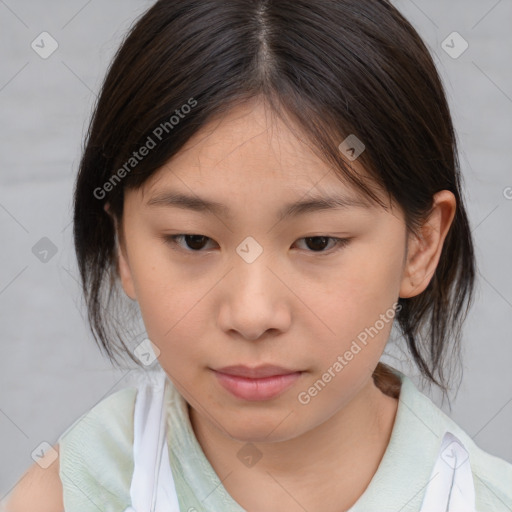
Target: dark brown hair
x,y
335,68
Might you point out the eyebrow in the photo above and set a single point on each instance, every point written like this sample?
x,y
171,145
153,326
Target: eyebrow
x,y
203,205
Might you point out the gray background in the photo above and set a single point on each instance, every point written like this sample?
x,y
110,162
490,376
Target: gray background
x,y
51,370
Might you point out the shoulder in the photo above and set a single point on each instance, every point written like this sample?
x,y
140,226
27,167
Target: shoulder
x,y
108,421
105,423
492,476
90,465
39,488
112,410
96,454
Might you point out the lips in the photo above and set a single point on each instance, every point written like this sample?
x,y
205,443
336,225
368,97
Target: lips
x,y
257,372
256,384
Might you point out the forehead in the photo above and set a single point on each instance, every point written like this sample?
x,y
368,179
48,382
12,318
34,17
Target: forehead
x,y
250,151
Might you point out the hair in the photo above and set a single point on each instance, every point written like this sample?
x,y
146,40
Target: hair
x,y
335,68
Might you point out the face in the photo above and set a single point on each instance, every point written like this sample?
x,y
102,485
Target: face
x,y
311,292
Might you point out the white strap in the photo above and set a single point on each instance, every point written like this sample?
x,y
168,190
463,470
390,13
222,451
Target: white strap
x,y
451,487
166,498
152,487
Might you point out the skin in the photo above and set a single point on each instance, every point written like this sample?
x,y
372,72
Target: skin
x,y
294,306
38,490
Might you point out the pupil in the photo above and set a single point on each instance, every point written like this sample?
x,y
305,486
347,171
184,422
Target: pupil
x,y
316,238
194,239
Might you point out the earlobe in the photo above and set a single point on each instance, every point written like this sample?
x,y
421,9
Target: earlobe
x,y
424,251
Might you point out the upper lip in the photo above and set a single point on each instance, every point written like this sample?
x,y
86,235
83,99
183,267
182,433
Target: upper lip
x,y
258,372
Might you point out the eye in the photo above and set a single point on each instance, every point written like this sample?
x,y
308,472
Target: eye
x,y
195,243
318,243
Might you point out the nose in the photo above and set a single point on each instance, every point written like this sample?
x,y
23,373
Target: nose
x,y
255,299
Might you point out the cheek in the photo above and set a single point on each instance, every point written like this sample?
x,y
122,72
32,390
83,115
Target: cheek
x,y
165,302
363,286
357,305
172,312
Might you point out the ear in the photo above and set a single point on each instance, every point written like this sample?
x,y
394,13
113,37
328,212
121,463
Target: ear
x,y
424,251
123,265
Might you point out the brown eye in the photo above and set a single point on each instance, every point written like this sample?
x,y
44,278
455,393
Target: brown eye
x,y
319,243
194,243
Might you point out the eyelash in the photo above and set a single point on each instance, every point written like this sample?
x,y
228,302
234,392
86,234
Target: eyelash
x,y
340,243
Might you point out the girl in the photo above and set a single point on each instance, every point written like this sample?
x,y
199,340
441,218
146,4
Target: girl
x,y
275,184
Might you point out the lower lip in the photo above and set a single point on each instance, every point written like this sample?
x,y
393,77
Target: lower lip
x,y
257,389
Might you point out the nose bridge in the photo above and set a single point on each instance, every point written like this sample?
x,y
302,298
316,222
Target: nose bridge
x,y
250,250
251,268
251,304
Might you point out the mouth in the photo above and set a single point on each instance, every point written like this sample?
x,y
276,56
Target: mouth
x,y
256,384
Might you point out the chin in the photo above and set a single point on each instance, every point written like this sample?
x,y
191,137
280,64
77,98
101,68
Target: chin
x,y
257,435
248,427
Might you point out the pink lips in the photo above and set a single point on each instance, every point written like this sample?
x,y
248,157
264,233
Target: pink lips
x,y
256,384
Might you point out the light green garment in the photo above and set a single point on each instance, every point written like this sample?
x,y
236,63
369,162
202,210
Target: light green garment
x,y
96,460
